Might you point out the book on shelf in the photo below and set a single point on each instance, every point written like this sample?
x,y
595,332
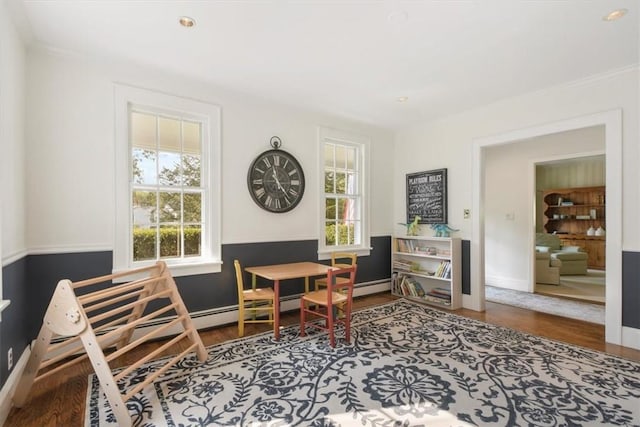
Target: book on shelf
x,y
403,264
405,245
445,292
444,270
415,287
438,300
410,287
425,250
439,296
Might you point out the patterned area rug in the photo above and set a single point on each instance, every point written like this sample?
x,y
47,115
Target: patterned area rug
x,y
407,365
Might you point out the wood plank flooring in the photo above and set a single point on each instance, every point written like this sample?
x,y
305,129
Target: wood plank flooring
x,y
60,399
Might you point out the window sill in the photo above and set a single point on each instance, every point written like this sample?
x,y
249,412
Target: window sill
x,y
183,269
325,253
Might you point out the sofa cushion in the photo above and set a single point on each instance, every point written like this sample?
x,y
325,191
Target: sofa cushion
x,y
552,241
570,256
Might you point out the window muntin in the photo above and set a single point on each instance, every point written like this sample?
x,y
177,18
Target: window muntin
x,y
167,196
342,195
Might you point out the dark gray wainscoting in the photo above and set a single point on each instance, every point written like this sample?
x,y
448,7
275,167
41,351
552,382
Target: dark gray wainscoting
x,y
466,267
14,330
631,289
29,283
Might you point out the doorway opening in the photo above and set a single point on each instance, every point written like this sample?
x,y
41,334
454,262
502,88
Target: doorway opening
x,y
612,123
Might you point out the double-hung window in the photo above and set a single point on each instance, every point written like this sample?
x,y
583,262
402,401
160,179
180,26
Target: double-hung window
x,y
344,212
167,179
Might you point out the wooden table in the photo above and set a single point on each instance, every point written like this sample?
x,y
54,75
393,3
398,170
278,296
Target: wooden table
x,y
278,272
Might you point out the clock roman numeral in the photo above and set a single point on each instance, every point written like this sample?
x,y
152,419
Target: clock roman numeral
x,y
295,182
257,181
266,162
260,192
276,160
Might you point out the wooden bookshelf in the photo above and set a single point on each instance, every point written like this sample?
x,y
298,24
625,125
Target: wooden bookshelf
x,y
427,269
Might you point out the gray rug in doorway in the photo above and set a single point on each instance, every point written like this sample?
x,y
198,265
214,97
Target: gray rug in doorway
x,y
593,313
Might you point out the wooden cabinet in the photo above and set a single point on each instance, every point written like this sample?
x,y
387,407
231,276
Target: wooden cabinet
x,y
595,246
570,212
427,269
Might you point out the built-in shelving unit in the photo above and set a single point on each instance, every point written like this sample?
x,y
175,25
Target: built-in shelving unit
x,y
427,269
571,212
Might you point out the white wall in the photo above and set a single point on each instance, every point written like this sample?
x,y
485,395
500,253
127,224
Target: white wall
x,y
508,193
448,142
12,161
70,182
460,142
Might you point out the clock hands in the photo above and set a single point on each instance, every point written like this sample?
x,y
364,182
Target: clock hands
x,y
275,176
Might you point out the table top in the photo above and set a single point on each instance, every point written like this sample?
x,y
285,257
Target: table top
x,y
292,270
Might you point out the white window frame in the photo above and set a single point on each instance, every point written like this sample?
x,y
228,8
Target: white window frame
x,y
362,145
210,260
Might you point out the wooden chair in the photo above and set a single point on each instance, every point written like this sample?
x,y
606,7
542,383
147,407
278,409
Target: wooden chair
x,y
339,260
261,302
321,303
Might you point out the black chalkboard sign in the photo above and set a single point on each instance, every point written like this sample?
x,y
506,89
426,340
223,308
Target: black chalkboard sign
x,y
427,196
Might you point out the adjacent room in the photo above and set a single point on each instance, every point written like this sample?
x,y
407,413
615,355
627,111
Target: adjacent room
x,y
319,213
563,175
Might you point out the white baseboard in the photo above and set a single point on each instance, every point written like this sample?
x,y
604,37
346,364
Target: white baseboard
x,y
226,315
6,394
631,337
507,283
202,320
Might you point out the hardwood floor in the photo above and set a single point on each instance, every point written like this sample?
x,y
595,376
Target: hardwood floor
x,y
59,400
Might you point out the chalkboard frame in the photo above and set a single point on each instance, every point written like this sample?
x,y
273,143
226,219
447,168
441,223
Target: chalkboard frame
x,y
412,189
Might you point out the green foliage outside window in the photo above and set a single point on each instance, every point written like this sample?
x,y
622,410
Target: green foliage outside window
x,y
144,242
344,231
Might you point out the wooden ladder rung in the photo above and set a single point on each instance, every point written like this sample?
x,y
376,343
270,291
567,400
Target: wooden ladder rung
x,y
87,337
159,372
150,356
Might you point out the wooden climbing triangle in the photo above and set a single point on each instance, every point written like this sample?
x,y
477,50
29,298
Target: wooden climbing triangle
x,y
96,319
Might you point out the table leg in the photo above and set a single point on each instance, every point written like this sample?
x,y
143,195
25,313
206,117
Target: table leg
x,y
276,303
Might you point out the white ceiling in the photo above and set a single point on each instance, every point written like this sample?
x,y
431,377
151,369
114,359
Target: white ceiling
x,y
352,58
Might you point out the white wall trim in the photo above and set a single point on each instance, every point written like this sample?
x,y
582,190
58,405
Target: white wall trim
x,y
9,387
13,257
612,120
631,337
507,283
52,250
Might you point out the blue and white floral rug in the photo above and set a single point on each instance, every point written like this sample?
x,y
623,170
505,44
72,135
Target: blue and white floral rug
x,y
407,365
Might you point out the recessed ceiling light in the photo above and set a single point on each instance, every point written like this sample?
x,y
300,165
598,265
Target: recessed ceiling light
x,y
616,14
186,21
402,98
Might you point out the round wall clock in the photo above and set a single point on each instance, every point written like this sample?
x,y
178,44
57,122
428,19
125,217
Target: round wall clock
x,y
276,180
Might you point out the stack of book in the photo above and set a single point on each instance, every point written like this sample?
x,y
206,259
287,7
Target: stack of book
x,y
402,264
439,295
